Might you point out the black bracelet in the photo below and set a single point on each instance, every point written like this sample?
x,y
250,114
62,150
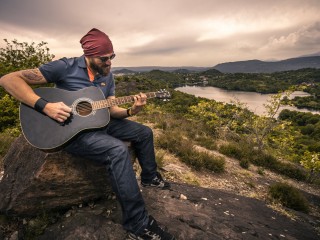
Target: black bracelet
x,y
40,104
128,112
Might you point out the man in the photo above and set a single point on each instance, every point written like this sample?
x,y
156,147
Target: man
x,y
102,145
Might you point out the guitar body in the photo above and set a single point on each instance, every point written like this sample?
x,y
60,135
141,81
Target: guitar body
x,y
43,132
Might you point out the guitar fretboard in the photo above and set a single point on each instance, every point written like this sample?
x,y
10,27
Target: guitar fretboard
x,y
117,101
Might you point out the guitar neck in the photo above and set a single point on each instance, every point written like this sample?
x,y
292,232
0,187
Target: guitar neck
x,y
117,101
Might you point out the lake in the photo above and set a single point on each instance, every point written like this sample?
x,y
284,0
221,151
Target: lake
x,y
254,101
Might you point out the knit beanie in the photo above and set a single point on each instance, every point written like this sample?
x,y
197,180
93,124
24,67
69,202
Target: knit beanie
x,y
96,43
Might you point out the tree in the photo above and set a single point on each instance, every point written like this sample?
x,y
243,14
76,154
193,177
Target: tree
x,y
311,161
18,56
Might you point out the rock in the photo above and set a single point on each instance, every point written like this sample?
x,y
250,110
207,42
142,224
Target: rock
x,y
35,180
191,219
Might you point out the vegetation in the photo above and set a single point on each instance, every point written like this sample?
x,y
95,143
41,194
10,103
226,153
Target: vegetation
x,y
289,197
22,55
249,138
175,142
16,56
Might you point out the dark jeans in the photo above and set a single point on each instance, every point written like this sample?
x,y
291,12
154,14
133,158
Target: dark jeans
x,y
104,146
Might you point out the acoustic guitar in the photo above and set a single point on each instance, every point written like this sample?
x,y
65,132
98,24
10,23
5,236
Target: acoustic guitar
x,y
89,111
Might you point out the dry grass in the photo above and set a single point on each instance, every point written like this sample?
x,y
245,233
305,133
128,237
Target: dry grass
x,y
253,182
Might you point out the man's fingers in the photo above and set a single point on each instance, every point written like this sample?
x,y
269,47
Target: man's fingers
x,y
59,111
65,108
60,120
143,96
64,113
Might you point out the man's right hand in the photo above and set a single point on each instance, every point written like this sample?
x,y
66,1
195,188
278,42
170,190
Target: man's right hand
x,y
57,111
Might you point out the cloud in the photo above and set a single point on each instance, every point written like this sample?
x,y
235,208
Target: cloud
x,y
304,40
179,32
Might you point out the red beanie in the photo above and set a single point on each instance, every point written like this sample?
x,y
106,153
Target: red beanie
x,y
96,43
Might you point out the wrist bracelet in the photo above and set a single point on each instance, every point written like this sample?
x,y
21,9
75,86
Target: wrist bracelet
x,y
129,112
40,105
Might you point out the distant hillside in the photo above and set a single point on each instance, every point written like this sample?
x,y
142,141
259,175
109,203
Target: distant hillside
x,y
257,66
123,71
150,68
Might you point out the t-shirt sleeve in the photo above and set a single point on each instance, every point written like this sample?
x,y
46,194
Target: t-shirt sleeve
x,y
54,71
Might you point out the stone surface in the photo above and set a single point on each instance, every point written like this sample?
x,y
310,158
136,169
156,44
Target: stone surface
x,y
35,180
206,214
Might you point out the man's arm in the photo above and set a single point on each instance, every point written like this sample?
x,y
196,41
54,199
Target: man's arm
x,y
17,84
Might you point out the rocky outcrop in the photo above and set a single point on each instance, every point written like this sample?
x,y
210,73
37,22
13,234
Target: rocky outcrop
x,y
35,181
190,213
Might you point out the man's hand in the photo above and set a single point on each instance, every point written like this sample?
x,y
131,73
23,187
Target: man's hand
x,y
139,101
57,111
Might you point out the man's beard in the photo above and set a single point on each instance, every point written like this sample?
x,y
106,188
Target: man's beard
x,y
103,71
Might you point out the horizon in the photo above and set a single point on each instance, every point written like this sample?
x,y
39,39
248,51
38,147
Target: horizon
x,y
181,67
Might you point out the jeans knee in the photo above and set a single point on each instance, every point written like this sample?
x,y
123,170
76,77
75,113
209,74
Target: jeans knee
x,y
117,155
147,132
120,150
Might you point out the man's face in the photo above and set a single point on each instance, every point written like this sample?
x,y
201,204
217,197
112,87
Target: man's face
x,y
101,64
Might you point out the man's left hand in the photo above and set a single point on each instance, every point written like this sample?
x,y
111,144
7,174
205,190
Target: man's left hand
x,y
139,101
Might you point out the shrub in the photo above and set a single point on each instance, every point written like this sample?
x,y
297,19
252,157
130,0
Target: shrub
x,y
291,170
206,142
260,171
264,160
287,169
211,162
289,197
232,150
244,163
183,148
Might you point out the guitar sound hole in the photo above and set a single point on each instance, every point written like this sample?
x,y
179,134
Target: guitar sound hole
x,y
84,108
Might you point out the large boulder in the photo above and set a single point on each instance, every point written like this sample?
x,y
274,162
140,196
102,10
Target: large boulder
x,y
35,180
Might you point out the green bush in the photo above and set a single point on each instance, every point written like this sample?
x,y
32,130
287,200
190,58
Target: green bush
x,y
264,160
13,57
232,150
183,148
291,170
289,197
245,163
203,160
285,168
246,156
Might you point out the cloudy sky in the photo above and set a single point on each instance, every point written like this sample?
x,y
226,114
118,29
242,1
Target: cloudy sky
x,y
169,32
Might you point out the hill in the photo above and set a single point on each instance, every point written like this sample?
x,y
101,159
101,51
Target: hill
x,y
257,66
123,71
248,66
166,69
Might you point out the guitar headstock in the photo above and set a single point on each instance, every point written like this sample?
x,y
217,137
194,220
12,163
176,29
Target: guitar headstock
x,y
163,94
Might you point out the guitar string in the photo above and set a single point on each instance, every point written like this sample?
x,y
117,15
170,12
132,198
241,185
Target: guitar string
x,y
86,106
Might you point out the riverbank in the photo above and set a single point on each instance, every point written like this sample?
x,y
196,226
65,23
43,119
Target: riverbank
x,y
254,101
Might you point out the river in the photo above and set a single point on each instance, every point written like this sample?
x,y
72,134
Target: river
x,y
254,101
